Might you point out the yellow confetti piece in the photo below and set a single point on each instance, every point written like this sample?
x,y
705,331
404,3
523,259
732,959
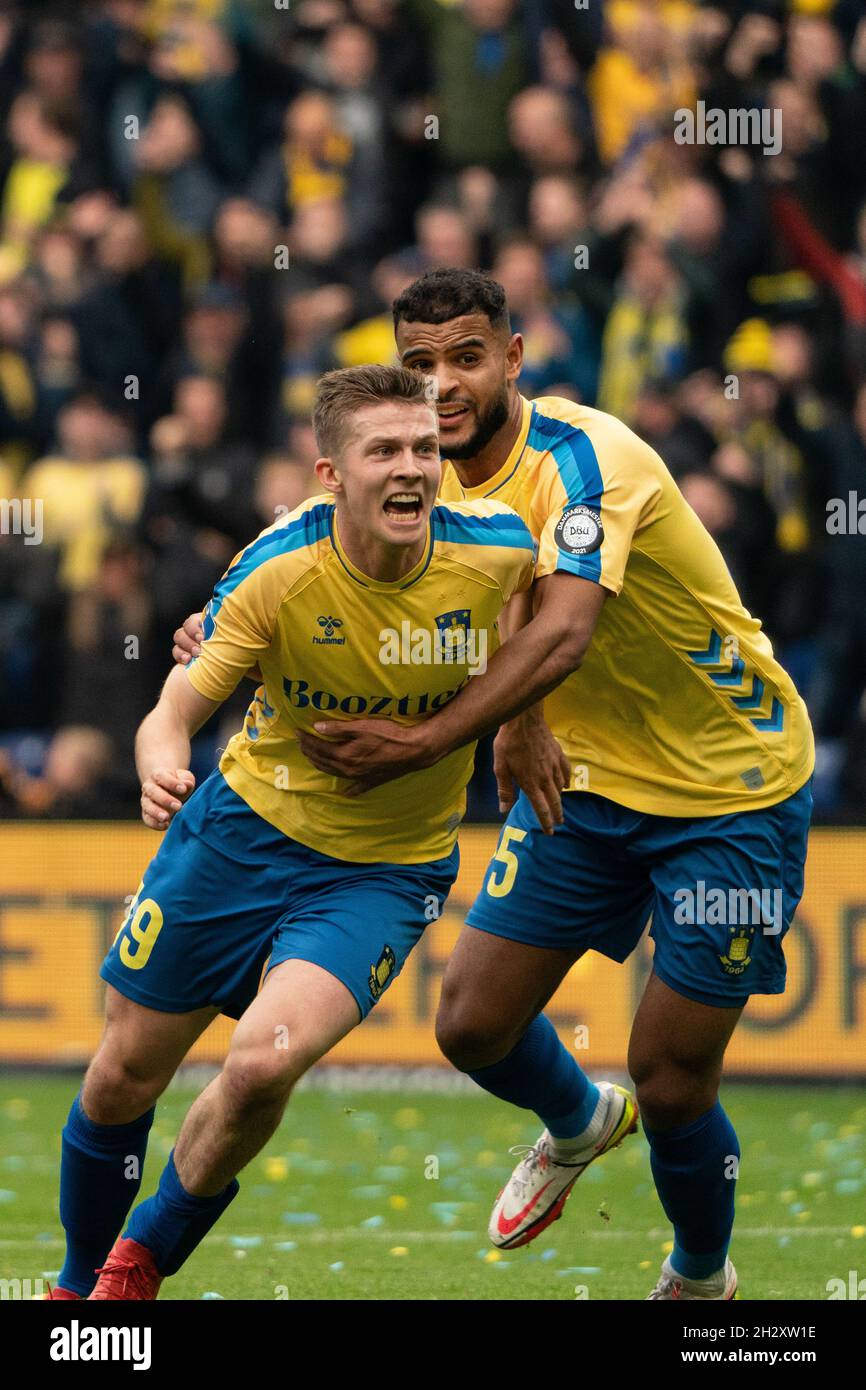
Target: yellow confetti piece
x,y
17,1108
486,1158
408,1118
666,1247
788,1196
744,1199
399,1154
645,1264
492,1256
399,1250
276,1169
812,1179
398,1203
804,1216
858,1232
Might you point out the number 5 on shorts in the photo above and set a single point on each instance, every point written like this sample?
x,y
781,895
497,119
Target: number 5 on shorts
x,y
501,887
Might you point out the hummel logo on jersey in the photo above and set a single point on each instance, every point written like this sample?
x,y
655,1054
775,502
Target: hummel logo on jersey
x,y
329,627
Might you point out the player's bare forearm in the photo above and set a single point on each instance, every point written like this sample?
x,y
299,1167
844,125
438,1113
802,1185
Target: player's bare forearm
x,y
521,673
525,669
162,748
533,661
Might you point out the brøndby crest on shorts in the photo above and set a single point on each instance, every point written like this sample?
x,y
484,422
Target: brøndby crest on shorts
x,y
381,972
737,957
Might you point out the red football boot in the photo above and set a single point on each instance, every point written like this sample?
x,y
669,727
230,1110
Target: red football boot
x,y
58,1292
129,1273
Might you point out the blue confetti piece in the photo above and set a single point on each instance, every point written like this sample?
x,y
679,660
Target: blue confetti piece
x,y
390,1172
446,1218
15,1162
580,1269
796,1207
372,1223
846,1187
369,1193
301,1218
213,1295
7,1196
784,1240
336,1266
548,1255
245,1242
285,1245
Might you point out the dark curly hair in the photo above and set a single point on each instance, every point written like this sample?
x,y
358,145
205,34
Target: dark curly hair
x,y
447,293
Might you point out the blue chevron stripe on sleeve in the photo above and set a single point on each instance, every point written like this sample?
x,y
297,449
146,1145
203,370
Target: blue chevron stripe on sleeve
x,y
772,724
732,677
753,699
711,656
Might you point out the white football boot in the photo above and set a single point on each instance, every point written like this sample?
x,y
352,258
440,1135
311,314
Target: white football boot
x,y
538,1189
721,1286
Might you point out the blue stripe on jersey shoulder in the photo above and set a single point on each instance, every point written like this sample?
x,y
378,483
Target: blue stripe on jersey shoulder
x,y
577,463
305,530
499,529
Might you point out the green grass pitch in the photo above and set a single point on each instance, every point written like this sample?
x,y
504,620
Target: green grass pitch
x,y
340,1204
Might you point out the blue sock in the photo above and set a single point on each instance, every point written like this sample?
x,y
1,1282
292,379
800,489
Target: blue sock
x,y
541,1075
173,1221
98,1184
691,1168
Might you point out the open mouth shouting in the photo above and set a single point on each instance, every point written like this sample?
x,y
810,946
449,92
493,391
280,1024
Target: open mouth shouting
x,y
451,414
403,507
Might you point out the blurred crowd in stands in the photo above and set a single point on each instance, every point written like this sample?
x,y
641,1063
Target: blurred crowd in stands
x,y
205,203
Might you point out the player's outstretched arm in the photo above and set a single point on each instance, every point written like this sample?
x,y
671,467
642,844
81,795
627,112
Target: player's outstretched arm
x,y
525,751
525,669
162,747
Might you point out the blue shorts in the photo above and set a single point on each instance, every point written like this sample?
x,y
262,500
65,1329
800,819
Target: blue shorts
x,y
227,893
722,890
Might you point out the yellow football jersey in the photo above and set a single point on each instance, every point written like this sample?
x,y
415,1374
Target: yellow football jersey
x,y
333,643
679,708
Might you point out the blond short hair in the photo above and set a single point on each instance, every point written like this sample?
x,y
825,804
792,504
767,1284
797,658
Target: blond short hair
x,y
341,394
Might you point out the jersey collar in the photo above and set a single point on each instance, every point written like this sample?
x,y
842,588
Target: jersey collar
x,y
490,486
380,586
